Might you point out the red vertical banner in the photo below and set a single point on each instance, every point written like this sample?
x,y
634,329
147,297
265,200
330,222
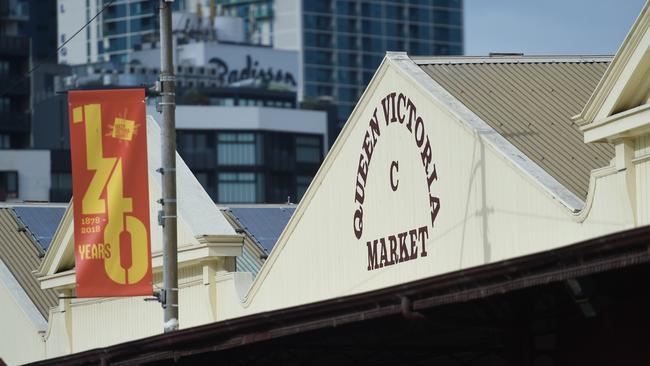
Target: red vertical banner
x,y
112,241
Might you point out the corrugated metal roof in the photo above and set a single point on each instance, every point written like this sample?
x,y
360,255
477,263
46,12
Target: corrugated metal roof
x,y
20,254
263,224
40,221
530,102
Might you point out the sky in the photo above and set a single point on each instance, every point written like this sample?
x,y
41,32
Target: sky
x,y
548,27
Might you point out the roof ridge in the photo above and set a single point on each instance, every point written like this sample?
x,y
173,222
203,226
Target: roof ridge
x,y
510,59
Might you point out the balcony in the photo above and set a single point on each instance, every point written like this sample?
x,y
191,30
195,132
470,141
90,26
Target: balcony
x,y
14,46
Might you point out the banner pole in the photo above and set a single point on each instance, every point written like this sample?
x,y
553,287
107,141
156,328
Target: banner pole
x,y
168,170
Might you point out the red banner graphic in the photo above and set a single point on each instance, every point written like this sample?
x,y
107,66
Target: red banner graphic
x,y
110,189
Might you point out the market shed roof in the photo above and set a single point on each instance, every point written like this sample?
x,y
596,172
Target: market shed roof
x,y
40,221
530,100
263,224
21,255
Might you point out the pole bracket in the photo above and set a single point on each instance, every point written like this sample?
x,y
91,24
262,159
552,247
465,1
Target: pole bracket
x,y
163,170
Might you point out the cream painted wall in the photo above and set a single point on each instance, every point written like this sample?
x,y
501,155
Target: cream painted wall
x,y
102,322
491,209
24,343
641,163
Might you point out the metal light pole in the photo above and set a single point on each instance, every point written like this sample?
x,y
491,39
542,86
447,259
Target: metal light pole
x,y
168,218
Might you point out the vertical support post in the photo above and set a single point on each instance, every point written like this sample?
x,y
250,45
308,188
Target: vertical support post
x,y
168,104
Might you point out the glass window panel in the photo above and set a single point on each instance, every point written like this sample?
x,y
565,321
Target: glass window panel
x,y
322,40
394,12
395,45
346,7
320,6
346,42
236,149
346,25
371,27
347,76
347,59
236,188
372,44
318,57
395,29
419,15
371,10
318,74
317,22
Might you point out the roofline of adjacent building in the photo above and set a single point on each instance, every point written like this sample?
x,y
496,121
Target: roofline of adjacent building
x,y
601,254
509,59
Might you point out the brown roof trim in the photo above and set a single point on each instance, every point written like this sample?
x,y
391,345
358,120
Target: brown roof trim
x,y
610,252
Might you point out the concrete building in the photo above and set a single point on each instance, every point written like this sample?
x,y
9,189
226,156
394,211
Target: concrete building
x,y
251,154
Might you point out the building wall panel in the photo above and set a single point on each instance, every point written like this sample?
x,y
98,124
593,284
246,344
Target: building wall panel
x,y
490,209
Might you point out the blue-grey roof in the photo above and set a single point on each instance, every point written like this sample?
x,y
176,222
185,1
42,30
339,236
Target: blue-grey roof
x,y
41,221
263,224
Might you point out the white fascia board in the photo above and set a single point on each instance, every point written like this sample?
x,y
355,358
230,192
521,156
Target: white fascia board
x,y
624,124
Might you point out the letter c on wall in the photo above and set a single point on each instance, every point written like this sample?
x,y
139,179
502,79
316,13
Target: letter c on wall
x,y
394,181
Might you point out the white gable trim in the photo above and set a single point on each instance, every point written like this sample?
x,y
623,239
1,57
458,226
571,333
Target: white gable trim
x,y
612,84
21,298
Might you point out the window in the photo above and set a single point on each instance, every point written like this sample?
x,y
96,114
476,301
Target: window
x,y
8,185
318,57
302,183
236,149
5,141
420,15
371,44
318,22
371,27
62,181
322,40
347,76
371,10
347,25
346,42
347,59
347,94
308,149
321,6
4,67
318,74
394,29
395,45
236,188
346,8
5,104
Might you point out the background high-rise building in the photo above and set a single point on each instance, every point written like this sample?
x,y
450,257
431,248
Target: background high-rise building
x,y
115,32
342,42
257,16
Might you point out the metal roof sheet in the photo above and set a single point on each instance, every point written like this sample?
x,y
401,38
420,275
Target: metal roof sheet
x,y
263,224
20,253
40,221
530,102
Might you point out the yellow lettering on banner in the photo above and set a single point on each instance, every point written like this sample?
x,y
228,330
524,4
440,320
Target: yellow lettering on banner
x,y
92,202
139,254
109,176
